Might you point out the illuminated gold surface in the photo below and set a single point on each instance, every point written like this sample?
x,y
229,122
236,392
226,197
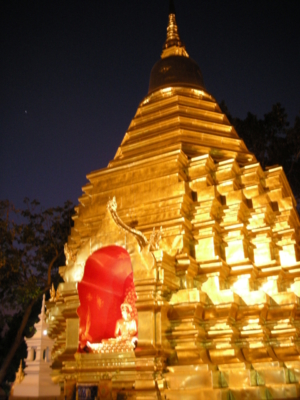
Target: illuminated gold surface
x,y
20,374
218,288
173,45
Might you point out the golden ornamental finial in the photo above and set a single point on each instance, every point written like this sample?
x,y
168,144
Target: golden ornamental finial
x,y
52,293
69,254
173,44
54,296
155,238
20,374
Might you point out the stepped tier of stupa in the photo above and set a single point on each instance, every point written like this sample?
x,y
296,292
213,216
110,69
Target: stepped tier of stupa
x,y
203,244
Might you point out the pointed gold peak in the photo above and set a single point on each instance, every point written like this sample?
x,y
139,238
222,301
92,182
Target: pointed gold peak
x,y
20,374
173,45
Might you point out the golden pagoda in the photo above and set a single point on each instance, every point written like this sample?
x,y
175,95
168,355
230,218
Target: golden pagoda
x,y
182,276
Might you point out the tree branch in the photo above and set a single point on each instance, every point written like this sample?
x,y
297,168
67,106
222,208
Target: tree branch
x,y
17,341
58,254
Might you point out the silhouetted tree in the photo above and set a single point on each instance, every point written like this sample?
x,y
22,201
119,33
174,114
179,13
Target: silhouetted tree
x,y
31,250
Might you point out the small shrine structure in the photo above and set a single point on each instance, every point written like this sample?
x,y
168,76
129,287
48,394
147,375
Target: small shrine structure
x,y
35,382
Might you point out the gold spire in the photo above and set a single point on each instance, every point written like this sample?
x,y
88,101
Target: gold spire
x,y
20,374
173,45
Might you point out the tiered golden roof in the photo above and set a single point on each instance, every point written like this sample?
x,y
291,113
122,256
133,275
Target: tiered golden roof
x,y
218,297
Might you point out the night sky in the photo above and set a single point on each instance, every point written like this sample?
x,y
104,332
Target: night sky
x,y
74,72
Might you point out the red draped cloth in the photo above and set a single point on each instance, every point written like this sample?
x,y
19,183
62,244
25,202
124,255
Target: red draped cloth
x,y
107,283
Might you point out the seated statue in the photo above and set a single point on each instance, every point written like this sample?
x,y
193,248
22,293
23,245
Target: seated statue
x,y
125,332
125,327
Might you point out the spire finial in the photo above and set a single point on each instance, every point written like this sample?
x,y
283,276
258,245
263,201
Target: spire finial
x,y
173,45
43,305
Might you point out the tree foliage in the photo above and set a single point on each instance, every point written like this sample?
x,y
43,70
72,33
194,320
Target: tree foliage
x,y
31,250
272,141
12,323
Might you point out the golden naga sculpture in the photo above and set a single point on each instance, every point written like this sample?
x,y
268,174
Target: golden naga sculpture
x,y
112,208
155,236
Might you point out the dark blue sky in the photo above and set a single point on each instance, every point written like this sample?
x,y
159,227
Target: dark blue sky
x,y
73,73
